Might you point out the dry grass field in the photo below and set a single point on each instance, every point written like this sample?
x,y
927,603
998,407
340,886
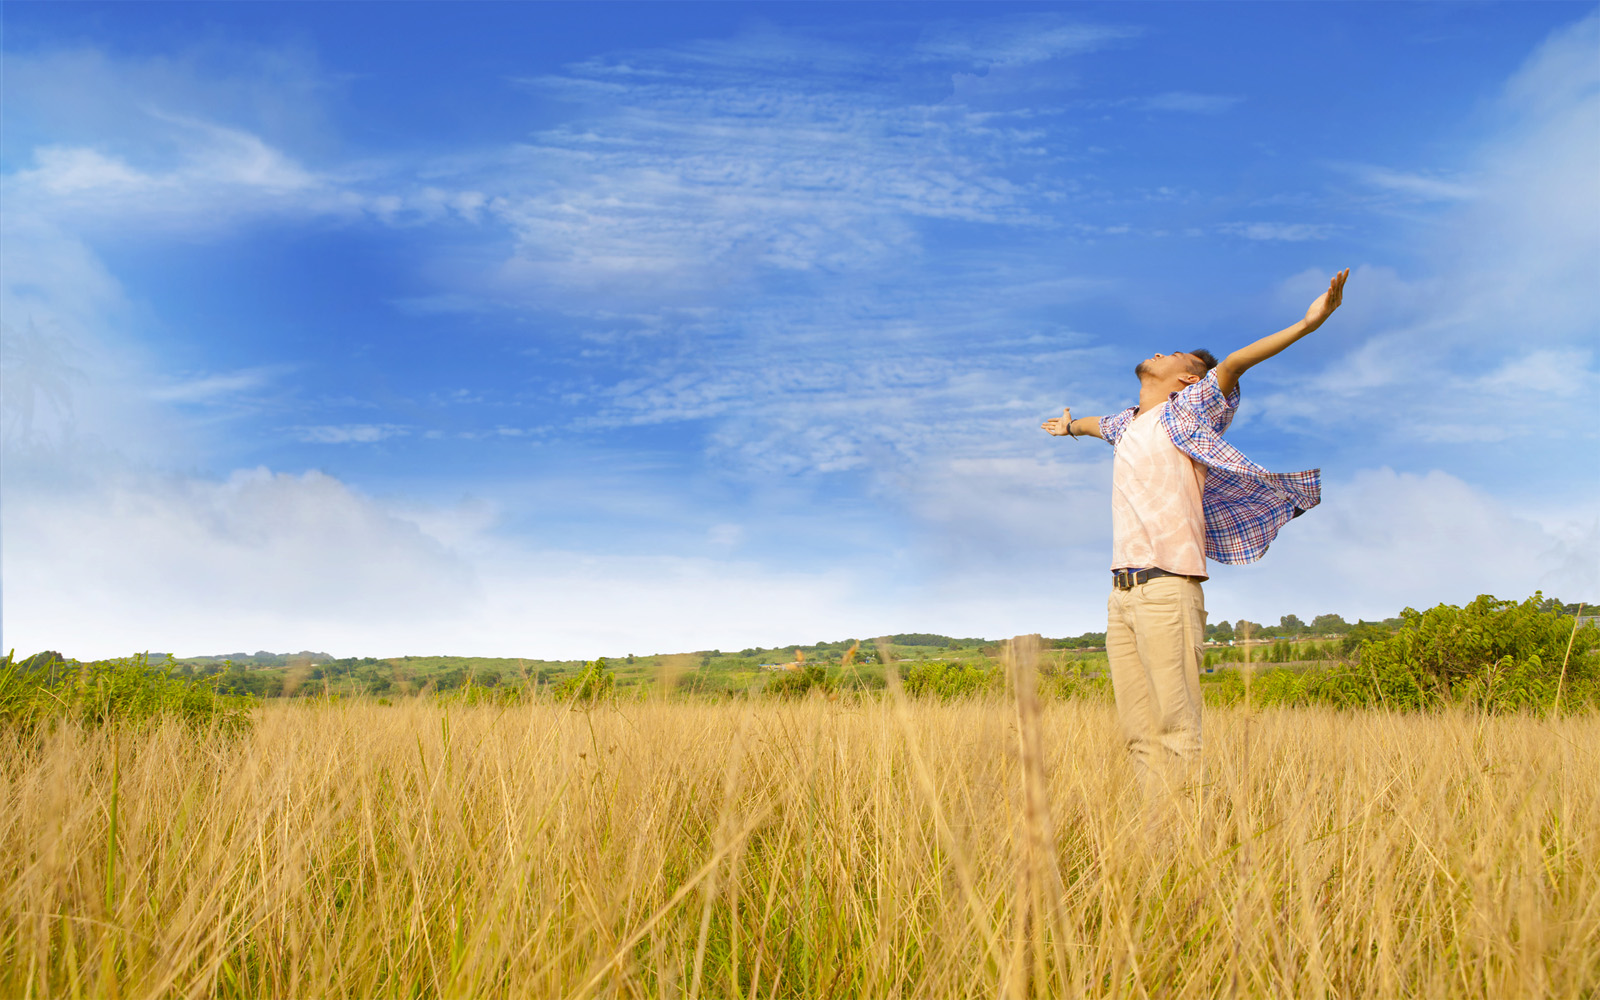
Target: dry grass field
x,y
871,848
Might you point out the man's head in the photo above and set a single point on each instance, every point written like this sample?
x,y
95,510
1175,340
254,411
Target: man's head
x,y
1180,368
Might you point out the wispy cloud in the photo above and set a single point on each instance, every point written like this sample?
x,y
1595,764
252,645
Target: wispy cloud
x,y
1018,40
210,178
1184,101
349,433
1418,185
1288,232
223,176
209,388
704,166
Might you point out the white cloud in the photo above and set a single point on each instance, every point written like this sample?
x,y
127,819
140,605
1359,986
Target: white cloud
x,y
142,561
74,171
77,94
1018,40
263,560
1184,101
165,161
1561,74
232,156
1565,372
1290,232
1527,252
275,561
694,170
1423,186
74,376
1382,540
217,387
221,176
349,433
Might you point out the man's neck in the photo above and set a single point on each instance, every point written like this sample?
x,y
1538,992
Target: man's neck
x,y
1153,394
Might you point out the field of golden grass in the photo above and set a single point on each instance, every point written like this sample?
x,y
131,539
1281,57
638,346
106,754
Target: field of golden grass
x,y
870,848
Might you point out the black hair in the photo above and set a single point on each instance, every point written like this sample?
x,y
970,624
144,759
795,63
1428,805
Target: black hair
x,y
1206,357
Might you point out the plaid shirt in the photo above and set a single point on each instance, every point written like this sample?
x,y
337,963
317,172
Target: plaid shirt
x,y
1245,505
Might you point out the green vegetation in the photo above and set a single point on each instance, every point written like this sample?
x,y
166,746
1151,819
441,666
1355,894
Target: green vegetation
x,y
1491,655
794,683
593,682
952,680
1497,655
46,688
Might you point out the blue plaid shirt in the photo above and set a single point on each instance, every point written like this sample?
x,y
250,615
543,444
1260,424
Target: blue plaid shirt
x,y
1245,505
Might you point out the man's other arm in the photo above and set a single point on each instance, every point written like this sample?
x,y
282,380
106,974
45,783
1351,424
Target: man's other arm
x,y
1245,358
1067,425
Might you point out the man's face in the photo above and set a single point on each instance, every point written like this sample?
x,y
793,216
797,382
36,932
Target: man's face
x,y
1166,366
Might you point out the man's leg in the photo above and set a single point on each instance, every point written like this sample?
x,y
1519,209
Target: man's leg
x,y
1130,682
1169,623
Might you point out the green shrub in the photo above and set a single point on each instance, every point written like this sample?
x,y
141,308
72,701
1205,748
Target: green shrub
x,y
795,683
1339,687
594,682
938,679
1493,655
39,691
1360,634
474,693
1496,655
1077,679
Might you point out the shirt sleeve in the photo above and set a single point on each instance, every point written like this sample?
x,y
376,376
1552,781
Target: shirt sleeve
x,y
1111,427
1206,401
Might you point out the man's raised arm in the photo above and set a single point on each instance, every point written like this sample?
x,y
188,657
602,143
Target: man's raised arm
x,y
1245,358
1068,426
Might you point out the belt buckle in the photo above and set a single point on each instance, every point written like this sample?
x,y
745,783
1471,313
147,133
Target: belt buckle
x,y
1124,579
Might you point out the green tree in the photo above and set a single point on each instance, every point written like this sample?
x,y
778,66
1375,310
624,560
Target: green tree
x,y
1359,634
1329,625
1291,625
1222,631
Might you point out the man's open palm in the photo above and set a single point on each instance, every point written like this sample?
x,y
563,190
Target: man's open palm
x,y
1328,301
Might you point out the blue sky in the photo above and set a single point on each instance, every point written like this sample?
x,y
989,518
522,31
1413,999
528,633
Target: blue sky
x,y
559,330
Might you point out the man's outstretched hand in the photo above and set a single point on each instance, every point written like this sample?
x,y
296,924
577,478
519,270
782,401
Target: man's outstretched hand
x,y
1058,425
1328,301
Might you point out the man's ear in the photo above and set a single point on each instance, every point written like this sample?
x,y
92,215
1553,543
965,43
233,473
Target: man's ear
x,y
1188,378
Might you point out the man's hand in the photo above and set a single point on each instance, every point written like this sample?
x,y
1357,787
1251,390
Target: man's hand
x,y
1328,301
1059,426
1062,426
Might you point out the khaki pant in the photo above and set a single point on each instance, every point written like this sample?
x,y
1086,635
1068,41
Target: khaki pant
x,y
1155,641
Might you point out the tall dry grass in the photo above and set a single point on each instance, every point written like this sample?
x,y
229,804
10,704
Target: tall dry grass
x,y
882,848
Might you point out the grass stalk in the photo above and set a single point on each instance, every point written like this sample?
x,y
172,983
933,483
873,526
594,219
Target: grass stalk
x,y
1555,706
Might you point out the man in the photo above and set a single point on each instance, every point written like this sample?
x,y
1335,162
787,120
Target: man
x,y
1180,495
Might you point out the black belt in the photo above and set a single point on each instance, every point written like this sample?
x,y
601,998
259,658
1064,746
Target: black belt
x,y
1127,579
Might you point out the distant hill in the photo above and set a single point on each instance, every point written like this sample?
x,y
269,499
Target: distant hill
x,y
260,658
710,670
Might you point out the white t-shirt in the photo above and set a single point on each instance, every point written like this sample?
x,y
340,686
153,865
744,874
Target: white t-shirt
x,y
1157,516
